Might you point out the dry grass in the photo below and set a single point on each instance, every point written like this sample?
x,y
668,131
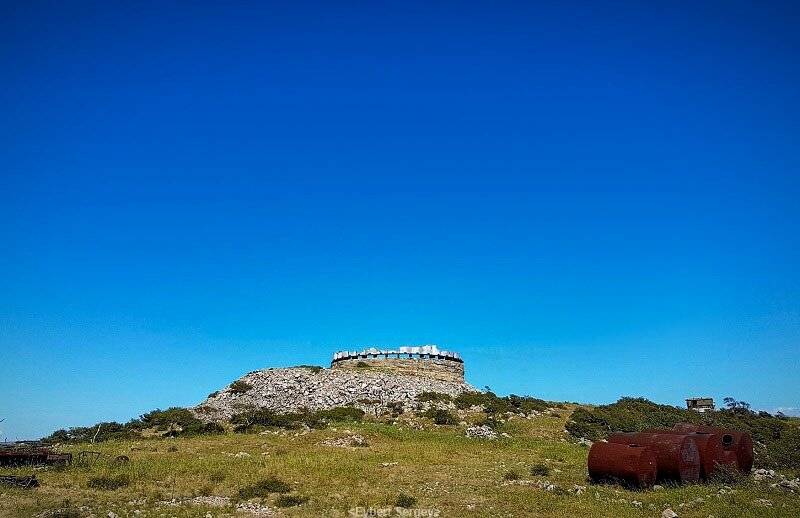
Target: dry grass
x,y
438,467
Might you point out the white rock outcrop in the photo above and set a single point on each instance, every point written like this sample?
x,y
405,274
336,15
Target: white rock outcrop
x,y
296,388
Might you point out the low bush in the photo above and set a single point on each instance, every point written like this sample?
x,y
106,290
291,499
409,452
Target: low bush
x,y
540,470
107,482
341,414
493,404
466,400
404,500
434,396
511,475
256,420
99,432
251,420
313,368
440,417
264,488
728,475
290,500
395,408
240,387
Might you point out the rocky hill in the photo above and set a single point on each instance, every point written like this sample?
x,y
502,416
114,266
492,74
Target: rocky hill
x,y
314,388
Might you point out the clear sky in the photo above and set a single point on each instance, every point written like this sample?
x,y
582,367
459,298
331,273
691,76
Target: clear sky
x,y
586,201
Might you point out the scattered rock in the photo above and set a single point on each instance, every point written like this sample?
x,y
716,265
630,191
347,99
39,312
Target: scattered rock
x,y
210,501
579,490
481,432
349,441
257,509
295,388
763,474
657,487
791,485
669,513
763,502
583,441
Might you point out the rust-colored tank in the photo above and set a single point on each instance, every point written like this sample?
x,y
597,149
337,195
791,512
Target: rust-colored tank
x,y
710,446
741,447
632,464
676,455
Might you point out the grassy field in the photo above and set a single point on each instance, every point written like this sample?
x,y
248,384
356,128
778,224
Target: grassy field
x,y
446,473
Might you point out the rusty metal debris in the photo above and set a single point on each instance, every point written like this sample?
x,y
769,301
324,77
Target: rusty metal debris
x,y
16,481
711,449
684,454
632,464
677,457
31,452
739,447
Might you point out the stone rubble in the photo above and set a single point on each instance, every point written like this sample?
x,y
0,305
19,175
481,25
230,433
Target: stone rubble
x,y
792,485
481,432
296,388
350,441
763,474
257,509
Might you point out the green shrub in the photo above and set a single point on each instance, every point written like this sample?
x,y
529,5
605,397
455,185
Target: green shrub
x,y
213,394
240,387
263,488
256,420
440,417
362,365
107,482
107,431
290,500
341,414
725,474
540,470
511,475
395,408
313,368
404,500
251,420
780,437
466,400
434,396
527,404
494,404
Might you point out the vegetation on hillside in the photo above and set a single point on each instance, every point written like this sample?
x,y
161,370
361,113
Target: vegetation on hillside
x,y
776,438
172,422
530,471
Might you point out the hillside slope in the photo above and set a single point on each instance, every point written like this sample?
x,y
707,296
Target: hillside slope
x,y
533,471
296,388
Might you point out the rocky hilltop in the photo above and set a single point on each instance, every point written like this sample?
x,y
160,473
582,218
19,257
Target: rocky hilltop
x,y
314,388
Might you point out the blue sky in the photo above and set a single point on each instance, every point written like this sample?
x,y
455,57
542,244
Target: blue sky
x,y
585,201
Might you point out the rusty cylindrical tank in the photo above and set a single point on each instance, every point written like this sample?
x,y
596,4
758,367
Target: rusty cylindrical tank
x,y
710,447
633,464
741,446
676,455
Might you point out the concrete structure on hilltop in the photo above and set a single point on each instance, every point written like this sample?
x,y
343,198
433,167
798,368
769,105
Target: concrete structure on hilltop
x,y
700,404
426,360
